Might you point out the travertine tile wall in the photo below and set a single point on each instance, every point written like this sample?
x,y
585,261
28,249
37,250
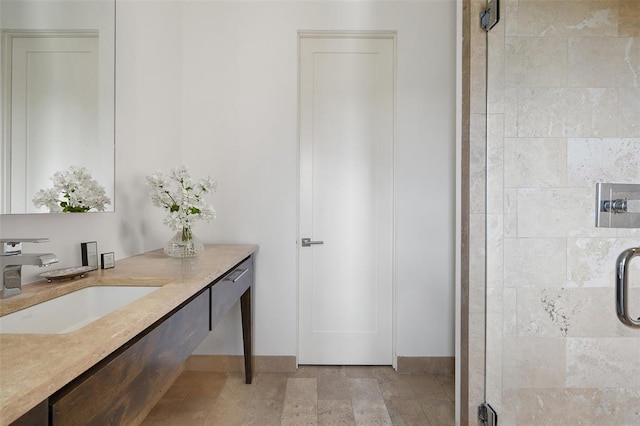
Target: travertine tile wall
x,y
563,112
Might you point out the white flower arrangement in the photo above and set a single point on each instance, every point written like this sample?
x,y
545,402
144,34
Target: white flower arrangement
x,y
74,191
181,197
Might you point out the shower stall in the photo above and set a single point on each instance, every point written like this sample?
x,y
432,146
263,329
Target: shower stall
x,y
551,108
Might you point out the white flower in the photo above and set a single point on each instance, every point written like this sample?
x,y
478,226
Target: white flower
x,y
73,191
181,197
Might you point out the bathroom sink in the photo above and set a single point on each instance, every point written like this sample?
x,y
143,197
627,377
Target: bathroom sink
x,y
71,311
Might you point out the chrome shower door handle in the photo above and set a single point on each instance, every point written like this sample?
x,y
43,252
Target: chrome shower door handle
x,y
622,287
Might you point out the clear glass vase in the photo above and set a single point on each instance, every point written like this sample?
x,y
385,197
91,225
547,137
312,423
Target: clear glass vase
x,y
183,244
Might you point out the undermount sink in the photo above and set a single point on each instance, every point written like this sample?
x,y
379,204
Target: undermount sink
x,y
71,311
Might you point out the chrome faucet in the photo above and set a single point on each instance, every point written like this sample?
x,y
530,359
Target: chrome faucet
x,y
12,259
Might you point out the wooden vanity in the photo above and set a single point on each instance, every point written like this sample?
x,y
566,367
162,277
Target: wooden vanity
x,y
115,369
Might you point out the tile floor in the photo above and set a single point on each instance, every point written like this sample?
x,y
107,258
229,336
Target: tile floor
x,y
311,396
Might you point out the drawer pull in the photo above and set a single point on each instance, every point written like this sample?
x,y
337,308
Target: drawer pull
x,y
236,275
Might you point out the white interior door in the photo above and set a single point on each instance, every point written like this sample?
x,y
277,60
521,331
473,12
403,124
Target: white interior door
x,y
347,89
54,104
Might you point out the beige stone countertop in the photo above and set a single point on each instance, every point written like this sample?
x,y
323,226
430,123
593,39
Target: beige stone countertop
x,y
34,366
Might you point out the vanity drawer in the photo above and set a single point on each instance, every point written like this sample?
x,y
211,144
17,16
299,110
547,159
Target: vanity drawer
x,y
227,291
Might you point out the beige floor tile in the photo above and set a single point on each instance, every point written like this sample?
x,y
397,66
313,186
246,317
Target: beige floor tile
x,y
314,395
264,412
407,412
365,391
335,413
333,384
371,414
358,372
299,414
270,386
439,412
302,391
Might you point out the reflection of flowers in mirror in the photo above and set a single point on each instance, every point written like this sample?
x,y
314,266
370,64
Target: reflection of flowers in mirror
x,y
74,191
181,197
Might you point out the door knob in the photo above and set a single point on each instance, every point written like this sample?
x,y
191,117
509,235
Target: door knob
x,y
306,242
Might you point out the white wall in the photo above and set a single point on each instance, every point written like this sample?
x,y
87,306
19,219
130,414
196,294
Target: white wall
x,y
213,85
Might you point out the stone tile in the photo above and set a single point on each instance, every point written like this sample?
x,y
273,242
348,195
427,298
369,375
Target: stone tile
x,y
568,112
301,391
476,262
333,384
152,420
477,62
162,411
572,312
440,413
395,390
368,404
535,262
495,163
355,371
448,382
558,213
603,362
510,113
566,18
510,14
629,111
629,25
590,161
588,406
271,386
598,319
364,390
368,414
535,162
425,386
533,363
536,62
263,412
509,323
604,62
299,415
495,79
591,261
235,389
510,219
240,404
227,412
407,412
477,168
192,410
207,384
335,413
493,353
546,312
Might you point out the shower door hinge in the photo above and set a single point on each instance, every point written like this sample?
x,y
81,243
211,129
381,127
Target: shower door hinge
x,y
490,16
487,415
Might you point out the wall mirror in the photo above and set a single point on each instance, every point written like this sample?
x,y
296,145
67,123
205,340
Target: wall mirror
x,y
58,96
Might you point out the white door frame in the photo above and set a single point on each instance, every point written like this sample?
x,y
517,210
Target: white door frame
x,y
6,38
349,34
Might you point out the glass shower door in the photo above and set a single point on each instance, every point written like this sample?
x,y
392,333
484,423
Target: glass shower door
x,y
563,108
